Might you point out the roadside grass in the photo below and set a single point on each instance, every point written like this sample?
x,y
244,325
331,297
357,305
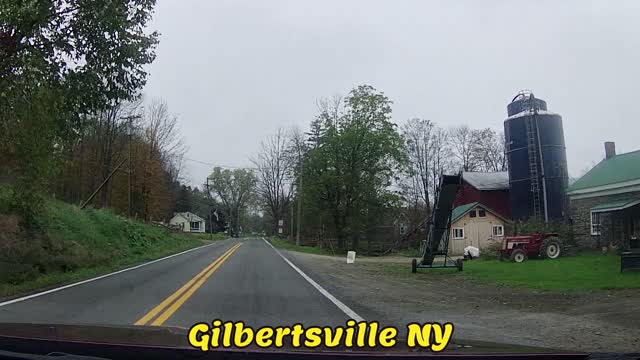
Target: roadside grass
x,y
410,253
585,271
78,244
288,245
205,236
55,279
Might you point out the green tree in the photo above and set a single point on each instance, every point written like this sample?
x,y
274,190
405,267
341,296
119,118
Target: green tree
x,y
95,51
234,189
60,61
352,168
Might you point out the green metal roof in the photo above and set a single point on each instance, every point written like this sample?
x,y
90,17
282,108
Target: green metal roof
x,y
615,205
461,210
620,168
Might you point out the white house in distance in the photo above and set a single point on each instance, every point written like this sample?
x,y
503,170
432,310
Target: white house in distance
x,y
188,222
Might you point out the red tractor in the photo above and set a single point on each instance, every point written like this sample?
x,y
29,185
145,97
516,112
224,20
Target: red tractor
x,y
519,248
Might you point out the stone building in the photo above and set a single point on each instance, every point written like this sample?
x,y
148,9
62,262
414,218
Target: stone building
x,y
605,202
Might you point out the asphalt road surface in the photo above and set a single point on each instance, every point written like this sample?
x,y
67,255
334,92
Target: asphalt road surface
x,y
230,280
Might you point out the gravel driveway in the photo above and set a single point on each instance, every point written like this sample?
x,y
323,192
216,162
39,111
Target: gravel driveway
x,y
378,289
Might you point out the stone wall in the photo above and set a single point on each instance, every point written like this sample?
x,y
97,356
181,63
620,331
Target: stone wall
x,y
580,212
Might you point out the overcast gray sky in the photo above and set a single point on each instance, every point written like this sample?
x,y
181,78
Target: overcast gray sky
x,y
234,71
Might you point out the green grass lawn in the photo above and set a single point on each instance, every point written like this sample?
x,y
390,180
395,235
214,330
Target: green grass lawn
x,y
78,244
288,245
410,253
586,271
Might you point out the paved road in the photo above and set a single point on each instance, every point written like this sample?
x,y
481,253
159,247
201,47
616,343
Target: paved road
x,y
234,280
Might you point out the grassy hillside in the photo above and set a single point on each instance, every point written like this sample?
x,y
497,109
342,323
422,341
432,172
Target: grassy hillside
x,y
77,244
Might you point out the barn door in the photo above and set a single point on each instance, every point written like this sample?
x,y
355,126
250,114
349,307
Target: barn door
x,y
471,238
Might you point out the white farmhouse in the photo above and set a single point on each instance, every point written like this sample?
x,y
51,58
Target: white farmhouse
x,y
188,222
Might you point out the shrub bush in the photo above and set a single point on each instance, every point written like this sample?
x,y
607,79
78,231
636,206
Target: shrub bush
x,y
564,231
491,251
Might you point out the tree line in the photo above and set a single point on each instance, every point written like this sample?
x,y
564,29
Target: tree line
x,y
354,164
73,116
144,134
72,113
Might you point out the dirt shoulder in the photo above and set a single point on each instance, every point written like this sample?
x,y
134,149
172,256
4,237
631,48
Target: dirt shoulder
x,y
594,321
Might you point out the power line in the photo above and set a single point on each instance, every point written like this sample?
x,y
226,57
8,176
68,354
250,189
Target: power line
x,y
219,165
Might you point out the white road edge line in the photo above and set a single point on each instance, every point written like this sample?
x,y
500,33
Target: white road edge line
x,y
347,310
9,302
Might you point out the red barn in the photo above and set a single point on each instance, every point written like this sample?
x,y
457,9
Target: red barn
x,y
488,188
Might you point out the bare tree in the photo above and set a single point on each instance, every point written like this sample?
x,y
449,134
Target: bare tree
x,y
329,114
501,153
161,129
489,146
102,142
417,134
163,149
110,126
411,191
441,159
464,141
275,176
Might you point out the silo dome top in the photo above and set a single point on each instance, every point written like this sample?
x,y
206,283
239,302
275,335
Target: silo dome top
x,y
523,95
523,101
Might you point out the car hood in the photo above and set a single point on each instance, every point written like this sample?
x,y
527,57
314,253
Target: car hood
x,y
176,337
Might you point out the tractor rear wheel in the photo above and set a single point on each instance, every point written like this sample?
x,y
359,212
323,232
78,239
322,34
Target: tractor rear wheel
x,y
518,255
551,248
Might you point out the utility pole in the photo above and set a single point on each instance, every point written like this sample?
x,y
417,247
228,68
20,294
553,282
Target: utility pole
x,y
82,206
238,221
130,170
291,231
130,165
299,208
210,204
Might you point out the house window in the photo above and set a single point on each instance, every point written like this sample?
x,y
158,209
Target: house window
x,y
472,213
498,230
195,225
458,233
481,213
595,223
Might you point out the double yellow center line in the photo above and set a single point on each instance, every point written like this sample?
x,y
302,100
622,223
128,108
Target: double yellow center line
x,y
169,306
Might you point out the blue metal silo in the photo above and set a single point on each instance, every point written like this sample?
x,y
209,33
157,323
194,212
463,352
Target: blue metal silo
x,y
537,159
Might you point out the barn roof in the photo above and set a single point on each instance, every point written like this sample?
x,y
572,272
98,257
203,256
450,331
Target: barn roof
x,y
487,180
615,171
461,210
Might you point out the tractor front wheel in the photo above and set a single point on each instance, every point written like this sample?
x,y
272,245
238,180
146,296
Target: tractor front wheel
x,y
551,249
518,255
